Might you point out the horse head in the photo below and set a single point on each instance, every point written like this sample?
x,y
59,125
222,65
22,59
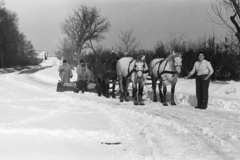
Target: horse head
x,y
140,66
177,61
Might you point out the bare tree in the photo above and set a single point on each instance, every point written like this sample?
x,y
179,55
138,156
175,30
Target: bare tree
x,y
84,26
225,10
127,42
176,42
67,49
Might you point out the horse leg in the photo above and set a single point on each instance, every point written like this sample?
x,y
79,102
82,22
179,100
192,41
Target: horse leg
x,y
140,92
172,94
103,87
107,88
126,89
134,86
160,91
164,96
154,80
120,78
113,88
98,83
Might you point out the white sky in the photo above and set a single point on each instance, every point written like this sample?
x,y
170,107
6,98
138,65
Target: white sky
x,y
151,20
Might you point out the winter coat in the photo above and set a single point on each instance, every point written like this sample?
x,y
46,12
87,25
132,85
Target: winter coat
x,y
79,70
84,75
65,73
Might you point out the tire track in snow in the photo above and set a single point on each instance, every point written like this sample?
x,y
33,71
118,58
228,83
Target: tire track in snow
x,y
178,123
210,139
152,128
214,142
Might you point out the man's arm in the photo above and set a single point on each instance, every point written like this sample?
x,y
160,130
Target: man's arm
x,y
209,66
192,71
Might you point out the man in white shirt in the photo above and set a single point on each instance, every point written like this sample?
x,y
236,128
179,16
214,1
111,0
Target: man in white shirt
x,y
204,71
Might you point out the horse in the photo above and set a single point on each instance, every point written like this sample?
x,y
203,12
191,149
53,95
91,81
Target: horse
x,y
166,71
104,71
136,71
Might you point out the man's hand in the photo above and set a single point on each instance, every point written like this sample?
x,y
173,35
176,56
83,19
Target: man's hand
x,y
205,79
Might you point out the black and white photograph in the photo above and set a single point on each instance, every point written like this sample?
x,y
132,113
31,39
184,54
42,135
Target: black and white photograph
x,y
119,79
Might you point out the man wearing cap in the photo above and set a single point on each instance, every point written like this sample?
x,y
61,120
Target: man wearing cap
x,y
204,70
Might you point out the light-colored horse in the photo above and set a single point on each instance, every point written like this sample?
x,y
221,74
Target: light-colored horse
x,y
135,71
166,71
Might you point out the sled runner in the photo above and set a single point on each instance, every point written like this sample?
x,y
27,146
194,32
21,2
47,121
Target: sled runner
x,y
72,87
65,87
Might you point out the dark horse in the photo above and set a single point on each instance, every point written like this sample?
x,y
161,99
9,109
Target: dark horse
x,y
136,71
104,71
165,70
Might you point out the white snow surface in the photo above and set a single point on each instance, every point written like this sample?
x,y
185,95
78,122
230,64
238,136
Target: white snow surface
x,y
38,123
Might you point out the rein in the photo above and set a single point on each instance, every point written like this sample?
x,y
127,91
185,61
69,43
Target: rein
x,y
134,69
164,71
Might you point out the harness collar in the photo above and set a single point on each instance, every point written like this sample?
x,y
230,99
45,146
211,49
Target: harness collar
x,y
134,69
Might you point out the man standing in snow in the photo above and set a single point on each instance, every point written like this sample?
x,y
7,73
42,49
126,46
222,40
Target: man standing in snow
x,y
204,71
65,72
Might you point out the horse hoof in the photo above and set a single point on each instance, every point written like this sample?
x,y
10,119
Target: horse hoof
x,y
165,104
121,100
141,103
173,103
154,100
113,96
135,103
126,100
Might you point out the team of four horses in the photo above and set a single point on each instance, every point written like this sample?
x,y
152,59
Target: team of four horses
x,y
136,70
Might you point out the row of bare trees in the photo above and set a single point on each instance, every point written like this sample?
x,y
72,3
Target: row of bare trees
x,y
86,28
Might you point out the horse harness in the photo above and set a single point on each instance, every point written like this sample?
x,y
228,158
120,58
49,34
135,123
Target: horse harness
x,y
134,69
164,71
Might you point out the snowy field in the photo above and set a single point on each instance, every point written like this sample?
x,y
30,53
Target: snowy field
x,y
38,123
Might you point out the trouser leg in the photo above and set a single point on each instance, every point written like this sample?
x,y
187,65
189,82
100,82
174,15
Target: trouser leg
x,y
80,84
205,87
84,85
199,90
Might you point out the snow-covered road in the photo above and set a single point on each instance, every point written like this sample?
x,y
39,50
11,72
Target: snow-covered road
x,y
36,122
